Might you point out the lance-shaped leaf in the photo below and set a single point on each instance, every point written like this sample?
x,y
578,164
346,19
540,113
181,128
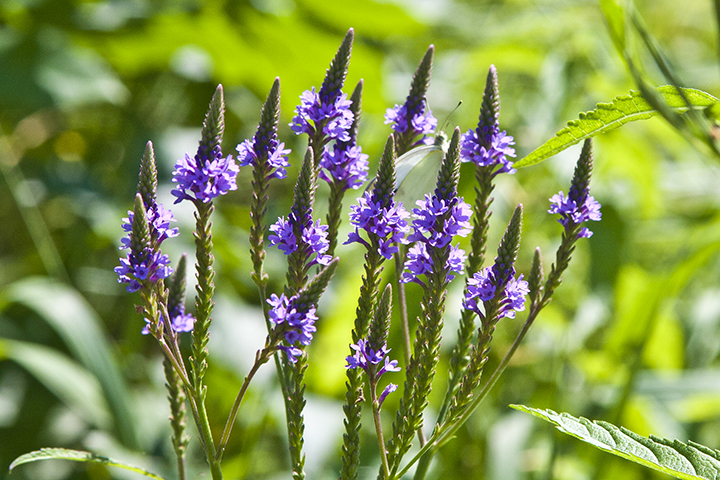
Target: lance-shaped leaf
x,y
685,461
75,456
608,116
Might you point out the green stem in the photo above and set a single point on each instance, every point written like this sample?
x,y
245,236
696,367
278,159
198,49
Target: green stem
x,y
378,423
402,300
262,357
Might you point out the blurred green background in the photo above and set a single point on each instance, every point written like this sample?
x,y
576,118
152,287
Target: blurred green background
x,y
632,336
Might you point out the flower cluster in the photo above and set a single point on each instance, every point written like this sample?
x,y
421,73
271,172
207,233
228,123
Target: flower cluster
x,y
334,118
487,145
367,358
298,323
385,225
344,163
203,178
146,265
249,152
159,219
146,262
419,120
484,286
436,222
179,320
570,212
313,235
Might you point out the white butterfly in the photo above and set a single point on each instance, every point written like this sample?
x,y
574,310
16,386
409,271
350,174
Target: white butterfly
x,y
417,171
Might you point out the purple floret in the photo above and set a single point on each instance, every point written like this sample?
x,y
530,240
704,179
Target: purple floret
x,y
335,118
277,156
298,324
385,226
569,212
488,146
159,219
483,287
148,265
344,163
419,121
203,178
426,226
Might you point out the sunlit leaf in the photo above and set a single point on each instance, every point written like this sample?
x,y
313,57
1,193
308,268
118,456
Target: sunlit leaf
x,y
70,382
75,456
685,461
78,325
608,116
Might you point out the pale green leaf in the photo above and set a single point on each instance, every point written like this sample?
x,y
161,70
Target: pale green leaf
x,y
75,456
608,116
70,382
685,461
75,321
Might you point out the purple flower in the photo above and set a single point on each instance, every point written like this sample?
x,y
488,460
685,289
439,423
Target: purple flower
x,y
484,286
344,163
147,265
419,262
436,221
146,262
313,235
569,211
248,154
418,121
389,389
159,219
181,321
368,359
385,226
298,324
335,119
283,237
488,146
202,178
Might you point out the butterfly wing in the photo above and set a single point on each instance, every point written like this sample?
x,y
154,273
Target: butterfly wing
x,y
416,173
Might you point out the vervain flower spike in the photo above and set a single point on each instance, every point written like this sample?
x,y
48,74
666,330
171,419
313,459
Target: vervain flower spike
x,y
414,118
267,155
437,220
326,115
380,224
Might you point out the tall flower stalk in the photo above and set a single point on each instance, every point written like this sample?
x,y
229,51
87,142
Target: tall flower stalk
x,y
200,179
437,220
380,224
409,121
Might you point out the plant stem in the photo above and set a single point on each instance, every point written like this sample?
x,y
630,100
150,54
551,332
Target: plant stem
x,y
402,300
378,425
262,357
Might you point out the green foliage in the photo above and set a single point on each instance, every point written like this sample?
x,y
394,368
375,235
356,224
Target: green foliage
x,y
76,456
686,461
80,328
609,116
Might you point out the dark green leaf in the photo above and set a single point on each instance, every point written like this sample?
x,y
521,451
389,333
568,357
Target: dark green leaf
x,y
608,116
75,456
668,456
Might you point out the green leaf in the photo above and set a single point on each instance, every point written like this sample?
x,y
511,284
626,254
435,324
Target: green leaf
x,y
608,116
75,456
75,321
70,382
685,461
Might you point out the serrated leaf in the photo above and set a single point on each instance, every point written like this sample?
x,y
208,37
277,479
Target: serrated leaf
x,y
608,116
76,456
672,457
75,321
69,381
